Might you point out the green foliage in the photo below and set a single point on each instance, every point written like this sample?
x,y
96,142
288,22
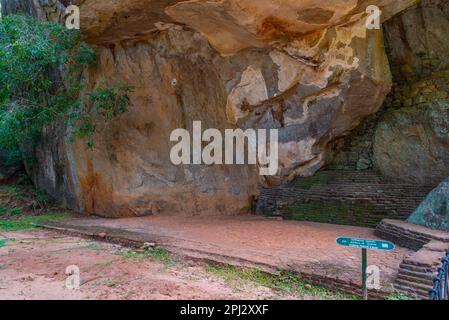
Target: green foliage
x,y
94,247
157,254
27,222
3,242
41,196
24,206
19,199
398,296
286,282
33,94
106,104
13,212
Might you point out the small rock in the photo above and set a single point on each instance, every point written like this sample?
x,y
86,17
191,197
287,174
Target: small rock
x,y
148,245
102,235
363,164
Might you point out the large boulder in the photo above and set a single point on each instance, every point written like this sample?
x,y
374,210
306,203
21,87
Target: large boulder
x,y
308,68
411,142
433,212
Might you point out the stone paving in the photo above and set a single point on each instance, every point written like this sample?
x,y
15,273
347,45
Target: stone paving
x,y
306,248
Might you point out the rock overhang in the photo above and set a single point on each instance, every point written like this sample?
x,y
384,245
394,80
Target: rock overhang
x,y
229,25
309,69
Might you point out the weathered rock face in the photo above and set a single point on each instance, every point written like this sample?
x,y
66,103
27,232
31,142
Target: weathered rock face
x,y
411,142
49,10
310,69
129,172
433,212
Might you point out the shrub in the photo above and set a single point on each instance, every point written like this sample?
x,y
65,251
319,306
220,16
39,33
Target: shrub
x,y
41,77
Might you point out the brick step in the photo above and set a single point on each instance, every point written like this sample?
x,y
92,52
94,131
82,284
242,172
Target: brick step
x,y
424,265
400,240
415,237
415,268
400,232
424,281
423,274
412,292
414,285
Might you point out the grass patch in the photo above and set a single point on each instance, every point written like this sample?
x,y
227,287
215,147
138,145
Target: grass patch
x,y
94,247
28,222
157,254
3,242
24,199
398,296
22,207
12,212
15,189
285,282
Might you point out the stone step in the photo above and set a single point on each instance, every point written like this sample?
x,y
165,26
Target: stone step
x,y
421,281
415,268
418,274
412,292
414,285
398,233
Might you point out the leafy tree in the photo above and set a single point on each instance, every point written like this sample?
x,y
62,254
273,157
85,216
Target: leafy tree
x,y
41,77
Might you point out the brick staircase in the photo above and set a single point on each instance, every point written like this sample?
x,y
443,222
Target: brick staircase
x,y
416,272
414,281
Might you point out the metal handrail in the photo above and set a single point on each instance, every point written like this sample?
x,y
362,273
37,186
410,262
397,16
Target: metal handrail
x,y
440,282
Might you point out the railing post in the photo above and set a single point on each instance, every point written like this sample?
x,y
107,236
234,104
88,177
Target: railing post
x,y
440,290
445,275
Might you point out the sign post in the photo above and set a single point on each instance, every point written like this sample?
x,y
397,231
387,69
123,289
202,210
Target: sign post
x,y
365,244
364,265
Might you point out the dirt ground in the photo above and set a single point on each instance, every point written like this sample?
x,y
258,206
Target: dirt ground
x,y
33,265
306,248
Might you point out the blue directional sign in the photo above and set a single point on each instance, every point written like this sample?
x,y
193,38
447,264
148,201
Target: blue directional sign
x,y
365,243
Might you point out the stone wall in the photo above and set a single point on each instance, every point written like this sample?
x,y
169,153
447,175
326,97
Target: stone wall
x,y
361,198
355,152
